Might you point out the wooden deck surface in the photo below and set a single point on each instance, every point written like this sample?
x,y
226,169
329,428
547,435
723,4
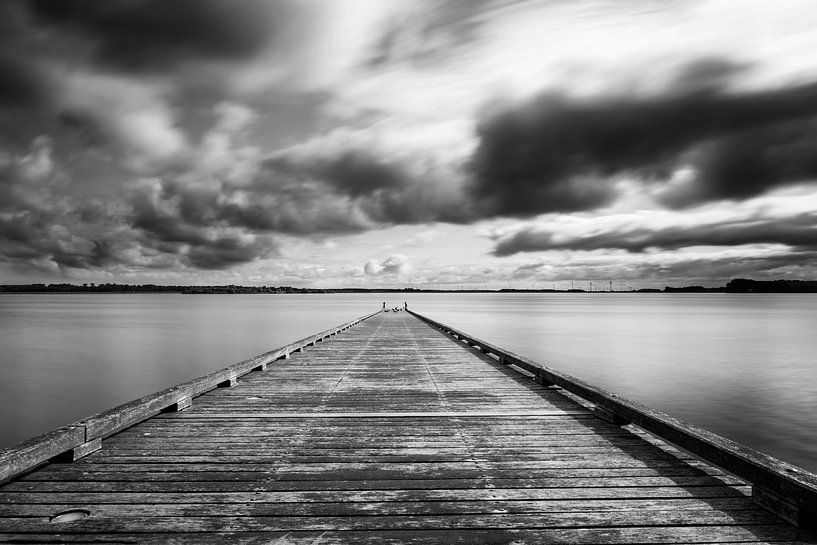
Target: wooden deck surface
x,y
390,432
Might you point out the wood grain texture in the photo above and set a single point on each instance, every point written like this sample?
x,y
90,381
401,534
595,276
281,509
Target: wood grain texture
x,y
388,432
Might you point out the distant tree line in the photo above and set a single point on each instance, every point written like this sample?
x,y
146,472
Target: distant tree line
x,y
740,285
155,288
149,288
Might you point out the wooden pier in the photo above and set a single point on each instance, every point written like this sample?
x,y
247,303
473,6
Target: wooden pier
x,y
394,429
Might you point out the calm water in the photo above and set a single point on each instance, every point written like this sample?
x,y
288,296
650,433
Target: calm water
x,y
740,365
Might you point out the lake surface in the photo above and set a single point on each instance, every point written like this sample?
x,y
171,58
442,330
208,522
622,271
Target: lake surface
x,y
742,365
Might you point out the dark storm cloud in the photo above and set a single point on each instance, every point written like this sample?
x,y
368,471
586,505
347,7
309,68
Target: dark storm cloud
x,y
183,210
20,83
156,34
798,231
301,192
748,163
386,190
377,188
224,252
555,154
43,226
186,221
356,172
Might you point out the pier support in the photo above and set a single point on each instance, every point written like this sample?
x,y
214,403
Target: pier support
x,y
79,451
180,405
785,508
607,416
228,383
540,378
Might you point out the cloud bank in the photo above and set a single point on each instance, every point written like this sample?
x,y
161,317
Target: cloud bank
x,y
556,154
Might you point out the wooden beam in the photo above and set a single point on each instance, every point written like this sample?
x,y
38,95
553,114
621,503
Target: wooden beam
x,y
29,454
180,405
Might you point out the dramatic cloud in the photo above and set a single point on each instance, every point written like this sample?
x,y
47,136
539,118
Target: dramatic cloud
x,y
19,85
557,154
131,119
137,35
42,225
784,220
380,180
667,268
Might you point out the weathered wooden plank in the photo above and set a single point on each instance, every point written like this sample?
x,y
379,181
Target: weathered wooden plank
x,y
246,481
63,494
611,519
661,535
245,472
383,416
339,442
344,507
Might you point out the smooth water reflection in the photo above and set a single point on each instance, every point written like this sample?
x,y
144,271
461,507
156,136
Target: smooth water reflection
x,y
740,365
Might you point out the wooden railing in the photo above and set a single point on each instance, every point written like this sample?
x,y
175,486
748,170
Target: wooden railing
x,y
782,488
81,438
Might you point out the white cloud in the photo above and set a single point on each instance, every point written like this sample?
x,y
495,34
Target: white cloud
x,y
224,150
132,116
396,265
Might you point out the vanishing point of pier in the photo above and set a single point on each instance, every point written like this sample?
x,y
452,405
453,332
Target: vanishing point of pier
x,y
394,429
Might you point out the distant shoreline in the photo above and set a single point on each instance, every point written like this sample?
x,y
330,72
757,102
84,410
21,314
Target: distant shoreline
x,y
734,286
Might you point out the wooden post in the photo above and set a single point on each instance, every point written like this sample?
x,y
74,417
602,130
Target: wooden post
x,y
79,451
538,379
180,405
787,508
610,417
229,382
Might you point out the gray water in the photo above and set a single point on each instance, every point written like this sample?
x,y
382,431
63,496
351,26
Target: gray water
x,y
740,365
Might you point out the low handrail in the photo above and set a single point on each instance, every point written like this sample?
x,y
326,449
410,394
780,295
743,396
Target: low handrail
x,y
782,488
83,437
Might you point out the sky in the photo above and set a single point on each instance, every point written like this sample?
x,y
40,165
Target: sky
x,y
408,143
